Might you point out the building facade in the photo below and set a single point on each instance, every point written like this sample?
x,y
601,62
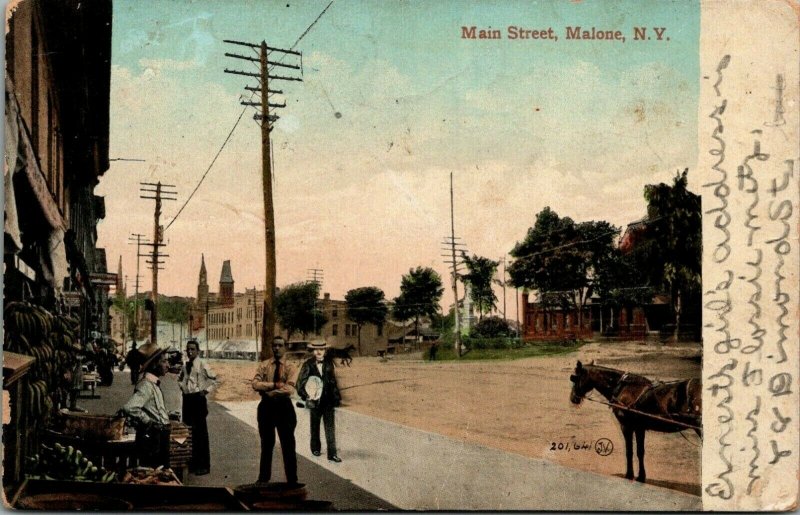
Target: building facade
x,y
56,148
237,317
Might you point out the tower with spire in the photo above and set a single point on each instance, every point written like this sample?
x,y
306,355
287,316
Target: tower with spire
x,y
202,283
226,284
120,288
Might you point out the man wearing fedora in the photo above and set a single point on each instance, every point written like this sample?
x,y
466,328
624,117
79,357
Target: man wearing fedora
x,y
274,380
146,409
323,405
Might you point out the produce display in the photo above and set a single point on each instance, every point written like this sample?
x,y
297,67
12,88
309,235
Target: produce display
x,y
151,476
66,463
51,339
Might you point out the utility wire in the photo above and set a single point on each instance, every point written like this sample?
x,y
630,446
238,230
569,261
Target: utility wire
x,y
214,160
207,169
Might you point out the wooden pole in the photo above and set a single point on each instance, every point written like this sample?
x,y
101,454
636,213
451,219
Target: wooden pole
x,y
457,339
268,318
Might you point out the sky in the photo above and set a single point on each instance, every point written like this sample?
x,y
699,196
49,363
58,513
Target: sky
x,y
392,102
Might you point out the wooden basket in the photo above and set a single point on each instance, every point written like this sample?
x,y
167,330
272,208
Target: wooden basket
x,y
180,445
93,427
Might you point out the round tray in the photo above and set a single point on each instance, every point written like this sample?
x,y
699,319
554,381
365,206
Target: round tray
x,y
72,502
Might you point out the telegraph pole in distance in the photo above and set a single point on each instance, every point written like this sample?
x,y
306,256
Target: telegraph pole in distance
x,y
266,120
161,192
315,276
503,261
137,239
450,241
255,319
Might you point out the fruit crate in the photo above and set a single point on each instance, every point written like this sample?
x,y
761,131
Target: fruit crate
x,y
180,448
92,427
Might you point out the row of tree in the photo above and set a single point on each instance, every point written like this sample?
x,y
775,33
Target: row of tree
x,y
568,262
298,310
565,261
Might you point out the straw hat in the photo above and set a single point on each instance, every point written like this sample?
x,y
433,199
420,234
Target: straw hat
x,y
318,344
150,352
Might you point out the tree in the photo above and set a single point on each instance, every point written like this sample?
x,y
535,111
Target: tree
x,y
481,271
621,278
420,292
366,306
295,307
173,309
560,257
674,224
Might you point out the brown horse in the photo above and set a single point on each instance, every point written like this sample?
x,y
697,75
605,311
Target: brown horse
x,y
343,354
635,398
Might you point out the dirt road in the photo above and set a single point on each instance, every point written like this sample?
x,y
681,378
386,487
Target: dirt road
x,y
520,406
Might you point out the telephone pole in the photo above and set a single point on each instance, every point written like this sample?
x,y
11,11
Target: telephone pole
x,y
161,192
315,276
137,238
266,120
124,311
450,245
503,284
255,319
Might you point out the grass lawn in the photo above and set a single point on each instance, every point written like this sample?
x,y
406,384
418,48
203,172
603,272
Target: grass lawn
x,y
446,351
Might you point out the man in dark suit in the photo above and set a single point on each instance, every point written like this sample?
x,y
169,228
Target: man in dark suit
x,y
321,402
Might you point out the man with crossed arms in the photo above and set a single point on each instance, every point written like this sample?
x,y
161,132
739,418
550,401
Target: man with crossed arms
x,y
274,380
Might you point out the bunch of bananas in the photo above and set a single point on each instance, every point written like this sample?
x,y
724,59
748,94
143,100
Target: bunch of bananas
x,y
66,463
52,340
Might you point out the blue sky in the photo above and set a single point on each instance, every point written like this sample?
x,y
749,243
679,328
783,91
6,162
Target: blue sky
x,y
577,125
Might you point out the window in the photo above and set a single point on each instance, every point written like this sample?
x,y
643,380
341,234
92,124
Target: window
x,y
354,330
335,329
347,329
380,330
335,313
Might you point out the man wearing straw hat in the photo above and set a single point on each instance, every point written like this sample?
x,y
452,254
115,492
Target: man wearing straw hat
x,y
317,385
146,409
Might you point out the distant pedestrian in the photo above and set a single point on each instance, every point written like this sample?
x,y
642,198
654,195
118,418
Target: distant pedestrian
x,y
146,409
433,351
321,399
274,380
196,380
134,361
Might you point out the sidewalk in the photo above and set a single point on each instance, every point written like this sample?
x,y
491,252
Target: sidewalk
x,y
235,448
418,470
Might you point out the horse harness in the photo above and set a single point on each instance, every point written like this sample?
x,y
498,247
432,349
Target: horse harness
x,y
648,387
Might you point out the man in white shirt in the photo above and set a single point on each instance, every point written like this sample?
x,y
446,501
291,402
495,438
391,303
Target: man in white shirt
x,y
196,380
146,409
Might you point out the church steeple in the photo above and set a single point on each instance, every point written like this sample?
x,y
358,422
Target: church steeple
x,y
203,274
120,284
202,283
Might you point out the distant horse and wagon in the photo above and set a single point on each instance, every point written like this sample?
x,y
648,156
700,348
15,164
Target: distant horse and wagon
x,y
641,404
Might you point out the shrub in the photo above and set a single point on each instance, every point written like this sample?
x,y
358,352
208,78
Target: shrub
x,y
491,327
